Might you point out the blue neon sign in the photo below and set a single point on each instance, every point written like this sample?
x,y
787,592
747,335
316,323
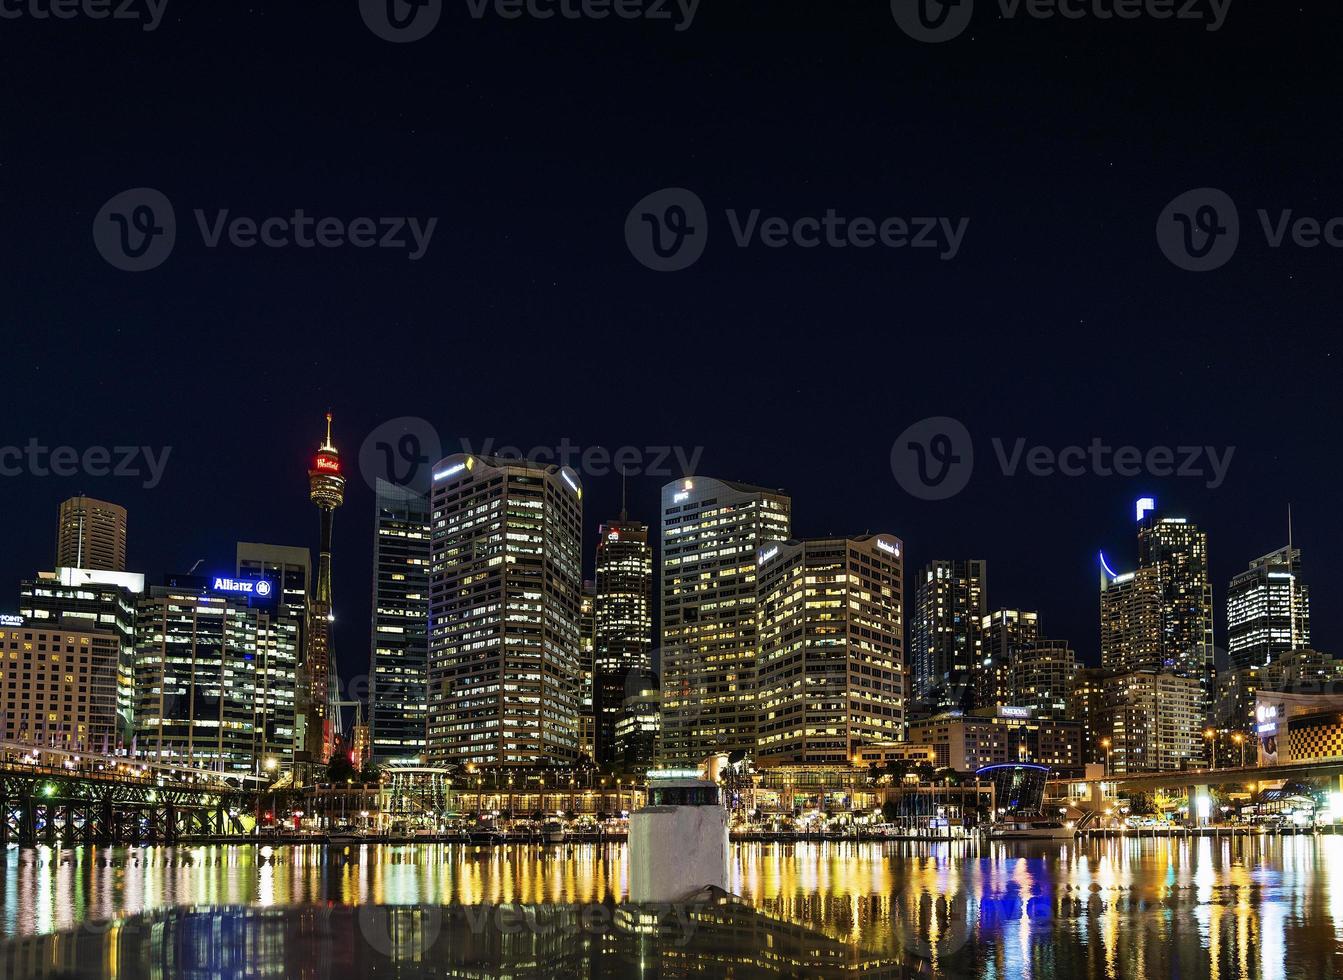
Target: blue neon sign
x,y
258,587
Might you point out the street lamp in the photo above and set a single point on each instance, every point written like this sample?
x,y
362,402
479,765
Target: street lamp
x,y
1239,739
1211,736
1105,744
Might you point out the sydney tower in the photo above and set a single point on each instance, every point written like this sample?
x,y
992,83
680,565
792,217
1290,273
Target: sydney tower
x,y
326,489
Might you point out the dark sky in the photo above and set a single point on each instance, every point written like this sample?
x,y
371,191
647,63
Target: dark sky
x,y
528,320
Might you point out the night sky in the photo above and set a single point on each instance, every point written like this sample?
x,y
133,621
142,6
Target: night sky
x,y
528,320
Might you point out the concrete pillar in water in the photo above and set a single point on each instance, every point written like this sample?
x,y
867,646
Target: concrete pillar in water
x,y
678,844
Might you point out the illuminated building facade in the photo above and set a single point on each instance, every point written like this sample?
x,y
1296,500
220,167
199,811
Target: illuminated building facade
x,y
505,594
712,533
587,627
950,601
1267,610
326,489
1086,703
214,677
622,625
91,534
1153,721
1043,675
59,686
1130,620
1178,550
399,659
969,740
831,641
998,642
90,600
639,726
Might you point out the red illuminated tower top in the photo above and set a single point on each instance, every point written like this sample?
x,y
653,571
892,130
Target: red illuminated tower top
x,y
326,484
326,489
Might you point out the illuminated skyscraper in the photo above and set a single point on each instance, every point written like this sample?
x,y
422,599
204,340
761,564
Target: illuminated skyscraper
x,y
712,532
951,599
1001,637
1044,675
214,676
1267,610
326,489
1156,622
399,659
587,640
831,639
83,598
1159,617
1152,720
59,685
623,624
505,589
1178,550
91,534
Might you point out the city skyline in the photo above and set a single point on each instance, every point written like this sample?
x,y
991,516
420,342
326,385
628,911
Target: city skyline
x,y
1087,644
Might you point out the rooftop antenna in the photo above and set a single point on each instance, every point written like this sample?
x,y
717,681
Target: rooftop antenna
x,y
195,566
624,514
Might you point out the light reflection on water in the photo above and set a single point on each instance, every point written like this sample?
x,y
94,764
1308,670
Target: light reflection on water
x,y
1221,908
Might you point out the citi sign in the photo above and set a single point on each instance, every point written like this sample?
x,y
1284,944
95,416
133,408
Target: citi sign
x,y
258,587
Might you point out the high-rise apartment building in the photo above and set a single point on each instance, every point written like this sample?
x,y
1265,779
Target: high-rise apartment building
x,y
214,675
622,625
998,641
1267,610
1044,674
1152,720
1178,550
712,534
399,658
1130,620
1086,704
831,641
1158,618
951,599
87,599
91,534
60,687
505,590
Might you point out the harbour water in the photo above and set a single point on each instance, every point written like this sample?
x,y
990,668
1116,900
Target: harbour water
x,y
1124,909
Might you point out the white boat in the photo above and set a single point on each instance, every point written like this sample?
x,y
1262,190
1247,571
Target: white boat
x,y
552,832
1032,828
